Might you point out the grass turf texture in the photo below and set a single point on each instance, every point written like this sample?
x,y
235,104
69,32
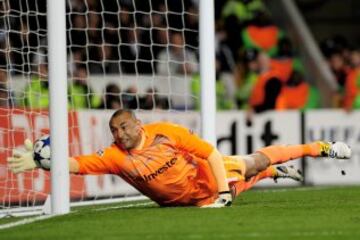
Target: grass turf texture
x,y
300,213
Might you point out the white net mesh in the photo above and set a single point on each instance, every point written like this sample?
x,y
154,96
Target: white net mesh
x,y
141,44
121,53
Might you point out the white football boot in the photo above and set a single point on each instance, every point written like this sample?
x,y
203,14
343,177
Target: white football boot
x,y
338,150
288,172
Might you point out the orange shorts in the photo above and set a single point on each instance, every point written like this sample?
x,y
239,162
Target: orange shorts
x,y
235,168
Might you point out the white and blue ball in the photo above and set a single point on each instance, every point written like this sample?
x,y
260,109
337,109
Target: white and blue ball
x,y
42,153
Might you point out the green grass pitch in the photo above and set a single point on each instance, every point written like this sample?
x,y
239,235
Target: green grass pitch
x,y
298,213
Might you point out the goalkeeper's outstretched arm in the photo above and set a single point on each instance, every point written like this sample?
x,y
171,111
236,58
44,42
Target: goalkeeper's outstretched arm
x,y
22,161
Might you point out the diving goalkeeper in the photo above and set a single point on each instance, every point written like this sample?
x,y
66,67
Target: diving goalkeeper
x,y
174,167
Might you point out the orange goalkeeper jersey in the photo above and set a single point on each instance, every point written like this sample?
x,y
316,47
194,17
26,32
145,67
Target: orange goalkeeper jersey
x,y
171,168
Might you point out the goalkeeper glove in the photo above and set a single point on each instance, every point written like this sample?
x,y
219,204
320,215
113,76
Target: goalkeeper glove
x,y
224,200
21,161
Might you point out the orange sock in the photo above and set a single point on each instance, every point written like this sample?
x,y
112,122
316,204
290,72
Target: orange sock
x,y
245,185
284,153
269,172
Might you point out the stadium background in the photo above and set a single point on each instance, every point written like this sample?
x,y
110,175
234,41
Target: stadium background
x,y
134,34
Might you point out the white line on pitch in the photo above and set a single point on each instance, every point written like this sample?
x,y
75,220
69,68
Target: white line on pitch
x,y
26,221
125,206
271,235
43,217
295,189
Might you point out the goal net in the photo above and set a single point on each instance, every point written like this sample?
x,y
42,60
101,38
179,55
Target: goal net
x,y
134,54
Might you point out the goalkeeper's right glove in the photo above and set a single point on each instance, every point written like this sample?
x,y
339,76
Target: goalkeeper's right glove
x,y
224,200
21,161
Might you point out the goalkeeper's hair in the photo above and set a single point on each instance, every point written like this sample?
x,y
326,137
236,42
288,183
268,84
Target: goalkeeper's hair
x,y
122,111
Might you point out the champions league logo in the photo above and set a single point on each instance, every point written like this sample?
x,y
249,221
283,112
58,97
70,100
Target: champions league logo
x,y
100,152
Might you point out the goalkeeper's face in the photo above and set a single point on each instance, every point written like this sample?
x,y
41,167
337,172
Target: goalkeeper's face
x,y
126,131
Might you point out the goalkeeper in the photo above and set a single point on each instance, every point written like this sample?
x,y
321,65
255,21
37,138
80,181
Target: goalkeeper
x,y
174,167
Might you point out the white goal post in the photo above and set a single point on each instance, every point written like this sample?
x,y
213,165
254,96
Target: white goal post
x,y
60,182
146,52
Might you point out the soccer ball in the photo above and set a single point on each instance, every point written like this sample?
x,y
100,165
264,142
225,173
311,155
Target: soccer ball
x,y
42,153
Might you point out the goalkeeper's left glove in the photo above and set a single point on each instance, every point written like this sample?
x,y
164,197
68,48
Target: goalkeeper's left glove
x,y
21,161
224,200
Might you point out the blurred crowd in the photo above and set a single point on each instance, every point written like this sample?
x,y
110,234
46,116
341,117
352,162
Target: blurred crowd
x,y
160,37
344,61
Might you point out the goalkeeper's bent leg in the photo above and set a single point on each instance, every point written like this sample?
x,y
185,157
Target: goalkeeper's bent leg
x,y
241,186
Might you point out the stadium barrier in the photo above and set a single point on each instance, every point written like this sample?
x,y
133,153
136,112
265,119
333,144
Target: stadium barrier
x,y
176,87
